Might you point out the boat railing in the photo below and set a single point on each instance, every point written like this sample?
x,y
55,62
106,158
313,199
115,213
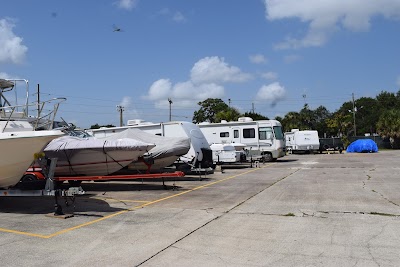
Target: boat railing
x,y
44,119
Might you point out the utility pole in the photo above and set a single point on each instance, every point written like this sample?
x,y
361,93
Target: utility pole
x,y
170,111
38,102
229,101
252,107
354,115
120,109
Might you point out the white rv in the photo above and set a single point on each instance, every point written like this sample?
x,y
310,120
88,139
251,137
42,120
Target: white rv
x,y
199,154
302,141
263,139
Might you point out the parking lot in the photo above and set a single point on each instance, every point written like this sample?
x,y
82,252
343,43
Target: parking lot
x,y
303,210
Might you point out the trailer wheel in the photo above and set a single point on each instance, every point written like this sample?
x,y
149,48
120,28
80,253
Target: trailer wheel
x,y
28,178
74,183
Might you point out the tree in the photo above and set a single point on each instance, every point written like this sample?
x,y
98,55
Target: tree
x,y
340,123
387,100
388,126
321,114
255,116
307,118
97,126
229,114
292,120
209,109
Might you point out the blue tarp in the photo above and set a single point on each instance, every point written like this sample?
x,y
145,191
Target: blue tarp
x,y
362,146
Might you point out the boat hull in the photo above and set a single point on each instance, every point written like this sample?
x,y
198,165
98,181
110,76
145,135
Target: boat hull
x,y
93,162
19,150
157,165
78,156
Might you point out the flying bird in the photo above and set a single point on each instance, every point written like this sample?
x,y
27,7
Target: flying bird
x,y
117,29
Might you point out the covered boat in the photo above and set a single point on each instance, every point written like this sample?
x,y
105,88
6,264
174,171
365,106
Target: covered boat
x,y
362,146
92,156
166,152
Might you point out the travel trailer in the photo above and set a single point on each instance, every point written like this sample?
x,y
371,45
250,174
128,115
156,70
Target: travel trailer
x,y
302,141
224,153
263,139
199,154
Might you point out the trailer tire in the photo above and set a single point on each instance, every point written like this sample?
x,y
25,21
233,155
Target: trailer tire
x,y
28,178
74,183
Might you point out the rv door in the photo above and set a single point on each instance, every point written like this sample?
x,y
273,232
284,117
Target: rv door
x,y
236,135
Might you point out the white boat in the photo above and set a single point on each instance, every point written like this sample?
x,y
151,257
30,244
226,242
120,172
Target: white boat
x,y
89,156
18,140
199,155
166,152
18,151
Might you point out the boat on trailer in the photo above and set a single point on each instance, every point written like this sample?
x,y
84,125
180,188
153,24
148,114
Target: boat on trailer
x,y
19,141
91,156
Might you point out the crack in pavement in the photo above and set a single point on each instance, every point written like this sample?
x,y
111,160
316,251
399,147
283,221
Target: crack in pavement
x,y
214,219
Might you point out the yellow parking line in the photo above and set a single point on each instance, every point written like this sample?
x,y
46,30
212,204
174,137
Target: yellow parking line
x,y
22,233
120,200
127,210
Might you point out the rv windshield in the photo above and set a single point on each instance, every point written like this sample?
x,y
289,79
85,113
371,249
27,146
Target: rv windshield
x,y
278,132
265,133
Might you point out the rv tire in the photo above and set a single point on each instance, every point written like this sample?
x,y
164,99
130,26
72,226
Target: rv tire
x,y
267,157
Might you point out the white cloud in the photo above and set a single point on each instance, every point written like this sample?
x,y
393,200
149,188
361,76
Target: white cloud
x,y
216,70
127,4
179,17
270,75
11,47
326,17
257,59
4,75
207,77
126,102
273,93
291,58
160,89
176,16
183,94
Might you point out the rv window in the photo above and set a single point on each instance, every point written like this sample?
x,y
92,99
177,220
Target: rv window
x,y
249,133
236,134
278,132
265,133
224,134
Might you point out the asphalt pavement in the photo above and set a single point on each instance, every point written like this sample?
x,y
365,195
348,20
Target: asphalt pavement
x,y
303,210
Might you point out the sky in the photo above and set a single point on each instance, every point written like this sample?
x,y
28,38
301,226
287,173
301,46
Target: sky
x,y
266,56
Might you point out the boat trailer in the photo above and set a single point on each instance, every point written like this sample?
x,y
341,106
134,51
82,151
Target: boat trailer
x,y
50,189
46,172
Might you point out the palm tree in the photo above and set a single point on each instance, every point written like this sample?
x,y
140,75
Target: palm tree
x,y
388,126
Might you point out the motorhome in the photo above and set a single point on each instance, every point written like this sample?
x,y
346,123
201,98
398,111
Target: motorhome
x,y
302,141
199,154
264,139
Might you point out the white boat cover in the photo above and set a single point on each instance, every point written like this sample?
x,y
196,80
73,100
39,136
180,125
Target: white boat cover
x,y
165,146
73,143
